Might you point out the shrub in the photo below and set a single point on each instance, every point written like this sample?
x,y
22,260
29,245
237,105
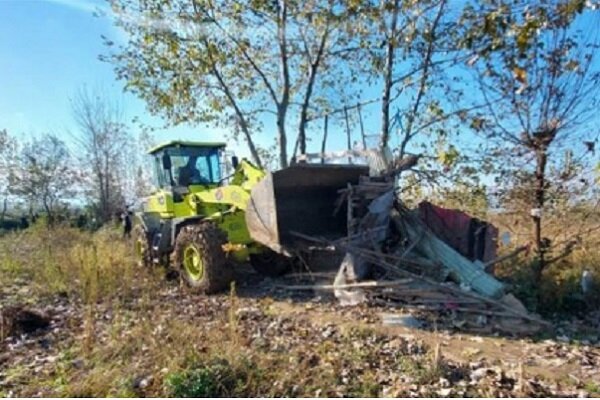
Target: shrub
x,y
216,378
560,289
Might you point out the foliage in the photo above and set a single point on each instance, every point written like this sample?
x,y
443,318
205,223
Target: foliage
x,y
559,289
8,150
43,173
216,379
413,67
536,73
233,63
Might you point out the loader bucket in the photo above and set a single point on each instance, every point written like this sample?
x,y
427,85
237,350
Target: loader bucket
x,y
300,199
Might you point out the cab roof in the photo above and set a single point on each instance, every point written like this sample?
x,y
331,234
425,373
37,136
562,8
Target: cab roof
x,y
183,143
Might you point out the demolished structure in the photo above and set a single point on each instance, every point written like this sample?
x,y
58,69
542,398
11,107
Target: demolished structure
x,y
397,257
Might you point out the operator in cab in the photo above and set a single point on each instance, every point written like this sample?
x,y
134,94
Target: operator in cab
x,y
189,174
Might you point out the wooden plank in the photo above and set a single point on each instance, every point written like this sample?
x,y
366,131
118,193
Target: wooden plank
x,y
363,285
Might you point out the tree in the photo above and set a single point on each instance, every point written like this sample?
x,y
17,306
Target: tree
x,y
409,47
231,63
314,50
43,174
144,167
536,74
8,150
103,149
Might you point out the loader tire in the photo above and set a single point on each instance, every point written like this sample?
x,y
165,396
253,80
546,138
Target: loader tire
x,y
200,258
270,264
141,246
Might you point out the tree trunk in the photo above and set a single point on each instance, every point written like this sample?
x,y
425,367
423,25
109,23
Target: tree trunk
x,y
49,214
540,191
240,115
282,106
244,127
312,74
387,85
107,190
304,111
348,134
408,132
324,143
4,208
283,162
253,151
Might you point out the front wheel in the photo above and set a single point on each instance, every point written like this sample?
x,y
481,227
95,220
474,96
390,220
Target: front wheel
x,y
200,258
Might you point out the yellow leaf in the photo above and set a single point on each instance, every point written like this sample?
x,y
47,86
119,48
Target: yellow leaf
x,y
520,75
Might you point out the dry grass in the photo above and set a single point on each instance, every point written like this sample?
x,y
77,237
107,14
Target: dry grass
x,y
137,335
66,261
560,289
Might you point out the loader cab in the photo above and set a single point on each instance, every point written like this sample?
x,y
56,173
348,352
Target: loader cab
x,y
178,166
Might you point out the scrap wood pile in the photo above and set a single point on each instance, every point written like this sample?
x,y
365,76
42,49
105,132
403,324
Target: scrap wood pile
x,y
393,259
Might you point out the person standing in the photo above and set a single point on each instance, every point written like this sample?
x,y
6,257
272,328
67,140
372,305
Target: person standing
x,y
127,226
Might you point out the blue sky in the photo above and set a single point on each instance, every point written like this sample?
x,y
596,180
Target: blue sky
x,y
49,49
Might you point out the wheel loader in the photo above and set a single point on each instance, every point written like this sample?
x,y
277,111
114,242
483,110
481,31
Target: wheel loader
x,y
202,218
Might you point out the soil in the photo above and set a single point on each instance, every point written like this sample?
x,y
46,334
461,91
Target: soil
x,y
564,362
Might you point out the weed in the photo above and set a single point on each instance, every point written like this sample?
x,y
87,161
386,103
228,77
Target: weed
x,y
592,388
233,319
426,370
64,260
215,378
365,386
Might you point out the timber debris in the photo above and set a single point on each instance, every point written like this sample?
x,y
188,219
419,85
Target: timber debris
x,y
393,259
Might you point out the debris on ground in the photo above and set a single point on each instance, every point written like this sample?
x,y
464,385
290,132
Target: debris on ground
x,y
416,270
18,320
351,343
471,237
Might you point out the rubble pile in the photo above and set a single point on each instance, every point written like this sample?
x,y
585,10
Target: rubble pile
x,y
393,259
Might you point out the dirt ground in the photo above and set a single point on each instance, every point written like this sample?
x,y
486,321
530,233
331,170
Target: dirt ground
x,y
80,341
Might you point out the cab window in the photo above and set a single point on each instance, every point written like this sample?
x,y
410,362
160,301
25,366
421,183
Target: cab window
x,y
189,166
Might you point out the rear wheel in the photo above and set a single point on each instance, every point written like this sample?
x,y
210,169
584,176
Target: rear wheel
x,y
200,258
270,263
141,246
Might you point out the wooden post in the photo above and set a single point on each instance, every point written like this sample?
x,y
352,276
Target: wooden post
x,y
324,143
362,128
348,133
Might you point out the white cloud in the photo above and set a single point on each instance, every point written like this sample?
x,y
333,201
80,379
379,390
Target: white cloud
x,y
87,6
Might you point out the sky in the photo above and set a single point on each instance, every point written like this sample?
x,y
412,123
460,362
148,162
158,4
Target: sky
x,y
48,50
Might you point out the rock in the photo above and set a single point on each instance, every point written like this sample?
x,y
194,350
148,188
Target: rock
x,y
142,381
405,320
479,374
328,332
